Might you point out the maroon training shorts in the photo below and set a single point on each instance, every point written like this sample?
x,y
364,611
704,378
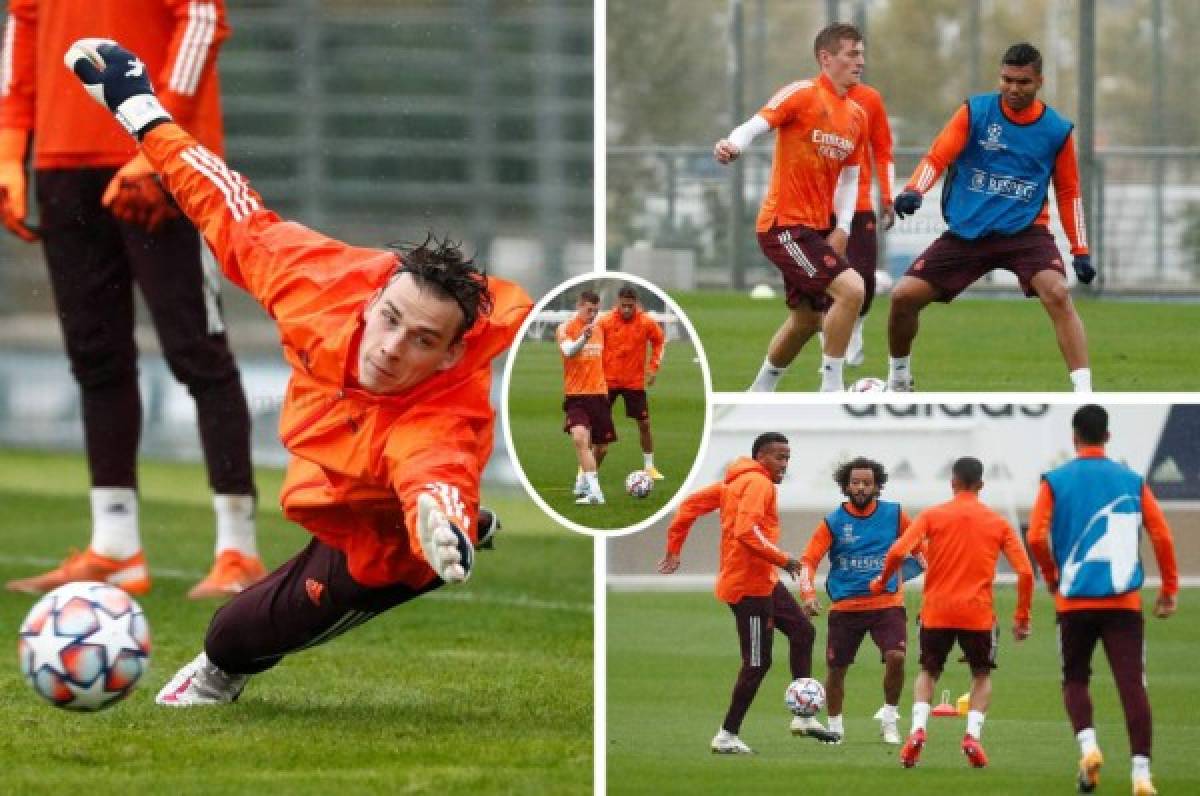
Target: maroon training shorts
x,y
808,263
952,264
862,250
636,405
978,645
887,627
593,412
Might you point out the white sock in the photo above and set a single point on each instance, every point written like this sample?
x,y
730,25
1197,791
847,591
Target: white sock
x,y
975,723
831,374
899,368
890,713
1081,379
835,725
593,482
647,460
856,335
920,716
725,734
1141,767
115,522
235,524
1087,740
768,377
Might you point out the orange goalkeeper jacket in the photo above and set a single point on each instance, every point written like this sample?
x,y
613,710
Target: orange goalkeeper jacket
x,y
177,39
359,460
750,554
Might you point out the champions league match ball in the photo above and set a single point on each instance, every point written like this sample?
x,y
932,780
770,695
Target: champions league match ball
x,y
84,646
638,484
805,697
869,385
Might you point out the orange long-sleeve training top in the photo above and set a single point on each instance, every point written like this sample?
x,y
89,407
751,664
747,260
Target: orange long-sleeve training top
x,y
951,141
965,538
818,546
750,553
879,161
359,460
177,39
625,342
1156,527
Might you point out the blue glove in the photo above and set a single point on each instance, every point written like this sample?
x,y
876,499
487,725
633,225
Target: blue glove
x,y
1084,271
117,79
907,203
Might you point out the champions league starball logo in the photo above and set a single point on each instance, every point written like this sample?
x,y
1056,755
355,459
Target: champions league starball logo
x,y
1110,538
992,143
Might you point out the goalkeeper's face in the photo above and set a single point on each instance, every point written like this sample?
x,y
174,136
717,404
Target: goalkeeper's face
x,y
409,334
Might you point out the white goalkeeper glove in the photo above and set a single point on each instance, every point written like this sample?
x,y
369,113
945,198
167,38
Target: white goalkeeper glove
x,y
117,79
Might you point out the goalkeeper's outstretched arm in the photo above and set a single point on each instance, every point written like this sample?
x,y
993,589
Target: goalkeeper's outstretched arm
x,y
256,249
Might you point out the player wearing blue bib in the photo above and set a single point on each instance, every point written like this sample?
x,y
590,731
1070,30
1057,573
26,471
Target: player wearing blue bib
x,y
1000,151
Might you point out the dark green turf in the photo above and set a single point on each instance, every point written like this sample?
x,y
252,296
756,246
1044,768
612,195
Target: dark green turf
x,y
672,659
547,456
485,688
982,345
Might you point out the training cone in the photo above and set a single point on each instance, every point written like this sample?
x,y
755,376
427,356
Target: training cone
x,y
944,708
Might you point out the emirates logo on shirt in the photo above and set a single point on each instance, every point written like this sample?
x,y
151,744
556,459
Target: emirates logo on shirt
x,y
831,145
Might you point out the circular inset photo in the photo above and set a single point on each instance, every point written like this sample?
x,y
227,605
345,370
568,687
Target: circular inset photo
x,y
606,403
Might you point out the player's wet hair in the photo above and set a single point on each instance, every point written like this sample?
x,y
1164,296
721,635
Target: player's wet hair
x,y
968,470
1023,54
763,440
1090,424
441,266
842,474
627,292
589,297
830,38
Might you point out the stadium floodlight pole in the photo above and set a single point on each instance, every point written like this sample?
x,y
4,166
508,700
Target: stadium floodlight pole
x,y
1087,126
737,176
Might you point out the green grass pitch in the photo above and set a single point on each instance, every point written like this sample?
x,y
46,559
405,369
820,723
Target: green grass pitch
x,y
486,688
672,659
978,345
547,456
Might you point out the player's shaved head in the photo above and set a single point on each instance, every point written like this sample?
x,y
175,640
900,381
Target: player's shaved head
x,y
1023,54
1090,424
763,440
968,472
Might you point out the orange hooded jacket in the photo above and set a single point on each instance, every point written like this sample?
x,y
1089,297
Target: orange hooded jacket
x,y
749,530
625,349
359,460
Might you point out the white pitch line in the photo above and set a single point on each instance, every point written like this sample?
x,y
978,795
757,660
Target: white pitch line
x,y
519,601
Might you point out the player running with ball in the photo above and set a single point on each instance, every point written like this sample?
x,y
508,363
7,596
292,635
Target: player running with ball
x,y
387,415
747,580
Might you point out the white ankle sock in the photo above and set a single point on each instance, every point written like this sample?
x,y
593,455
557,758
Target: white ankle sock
x,y
115,522
835,725
890,713
831,374
768,377
647,460
235,523
593,482
975,723
899,368
1141,767
920,715
1081,380
1087,740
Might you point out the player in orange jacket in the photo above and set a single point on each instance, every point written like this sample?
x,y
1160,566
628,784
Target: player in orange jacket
x,y
106,224
965,538
1083,533
628,330
387,414
747,580
819,148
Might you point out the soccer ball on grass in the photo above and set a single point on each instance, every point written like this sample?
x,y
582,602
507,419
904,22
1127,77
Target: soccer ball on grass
x,y
639,483
84,646
869,385
804,697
